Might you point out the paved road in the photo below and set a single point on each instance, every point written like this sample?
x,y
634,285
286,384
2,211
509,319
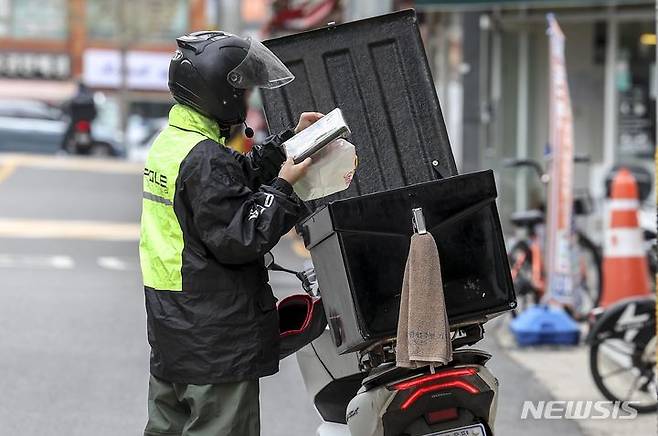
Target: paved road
x,y
73,352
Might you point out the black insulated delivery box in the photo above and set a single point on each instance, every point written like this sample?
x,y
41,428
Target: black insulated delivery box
x,y
376,71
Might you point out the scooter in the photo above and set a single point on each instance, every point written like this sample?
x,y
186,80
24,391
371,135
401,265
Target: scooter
x,y
365,394
80,140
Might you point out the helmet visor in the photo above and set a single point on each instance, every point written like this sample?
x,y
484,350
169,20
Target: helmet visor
x,y
260,68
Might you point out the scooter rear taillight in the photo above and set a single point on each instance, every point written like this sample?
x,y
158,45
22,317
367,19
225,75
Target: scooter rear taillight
x,y
424,384
455,384
458,372
83,126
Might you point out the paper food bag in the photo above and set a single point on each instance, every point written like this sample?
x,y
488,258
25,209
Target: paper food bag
x,y
331,171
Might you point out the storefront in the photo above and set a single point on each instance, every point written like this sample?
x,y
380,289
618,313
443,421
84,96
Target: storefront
x,y
491,66
34,59
47,46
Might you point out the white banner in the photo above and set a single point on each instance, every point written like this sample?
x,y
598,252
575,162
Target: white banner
x,y
146,70
560,257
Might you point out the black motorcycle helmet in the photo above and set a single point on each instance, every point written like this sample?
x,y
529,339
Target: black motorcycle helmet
x,y
211,71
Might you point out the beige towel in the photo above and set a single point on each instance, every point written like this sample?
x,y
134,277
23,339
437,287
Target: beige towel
x,y
423,333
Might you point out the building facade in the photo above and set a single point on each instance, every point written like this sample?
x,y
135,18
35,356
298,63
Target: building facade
x,y
491,66
46,46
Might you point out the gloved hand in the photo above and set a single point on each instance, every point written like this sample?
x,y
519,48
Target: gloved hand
x,y
268,158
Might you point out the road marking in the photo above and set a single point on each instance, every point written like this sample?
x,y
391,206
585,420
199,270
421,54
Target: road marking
x,y
36,262
70,163
50,229
29,261
117,263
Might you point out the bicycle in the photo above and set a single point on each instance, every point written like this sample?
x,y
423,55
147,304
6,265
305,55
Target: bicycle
x,y
526,254
622,353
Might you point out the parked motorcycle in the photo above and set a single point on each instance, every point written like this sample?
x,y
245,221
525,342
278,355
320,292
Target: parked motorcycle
x,y
365,394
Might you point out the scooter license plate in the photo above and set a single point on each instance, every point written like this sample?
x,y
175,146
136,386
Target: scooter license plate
x,y
470,430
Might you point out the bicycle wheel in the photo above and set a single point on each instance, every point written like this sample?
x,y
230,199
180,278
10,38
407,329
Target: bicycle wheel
x,y
589,276
520,260
623,354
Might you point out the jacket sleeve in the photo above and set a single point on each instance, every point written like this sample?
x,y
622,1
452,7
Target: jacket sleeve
x,y
237,224
263,162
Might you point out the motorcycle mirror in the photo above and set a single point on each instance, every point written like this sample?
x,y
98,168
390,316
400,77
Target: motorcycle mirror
x,y
269,260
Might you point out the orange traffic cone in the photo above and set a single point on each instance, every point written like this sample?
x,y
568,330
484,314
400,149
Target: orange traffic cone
x,y
625,269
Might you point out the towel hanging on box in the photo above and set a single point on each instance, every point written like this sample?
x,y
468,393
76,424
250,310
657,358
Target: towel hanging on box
x,y
423,336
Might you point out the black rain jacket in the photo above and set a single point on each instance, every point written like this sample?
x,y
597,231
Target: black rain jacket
x,y
209,215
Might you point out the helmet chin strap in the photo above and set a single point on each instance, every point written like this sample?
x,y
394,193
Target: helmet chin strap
x,y
225,131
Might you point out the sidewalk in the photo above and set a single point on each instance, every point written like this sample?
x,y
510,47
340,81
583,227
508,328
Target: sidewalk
x,y
565,372
516,385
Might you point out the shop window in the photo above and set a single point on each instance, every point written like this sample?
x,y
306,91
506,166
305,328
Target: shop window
x,y
146,20
42,19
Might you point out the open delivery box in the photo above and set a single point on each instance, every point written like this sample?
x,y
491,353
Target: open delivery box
x,y
376,71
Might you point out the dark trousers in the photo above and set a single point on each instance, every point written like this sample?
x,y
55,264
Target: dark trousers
x,y
228,409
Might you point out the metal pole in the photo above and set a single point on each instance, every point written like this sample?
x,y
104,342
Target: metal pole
x,y
610,93
522,118
123,36
485,92
455,91
496,93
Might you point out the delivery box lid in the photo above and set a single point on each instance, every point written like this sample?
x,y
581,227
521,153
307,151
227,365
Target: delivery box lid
x,y
376,72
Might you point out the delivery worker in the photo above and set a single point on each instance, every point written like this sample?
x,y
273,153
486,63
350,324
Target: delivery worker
x,y
209,215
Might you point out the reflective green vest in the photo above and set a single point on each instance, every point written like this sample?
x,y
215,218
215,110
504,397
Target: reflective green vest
x,y
161,239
